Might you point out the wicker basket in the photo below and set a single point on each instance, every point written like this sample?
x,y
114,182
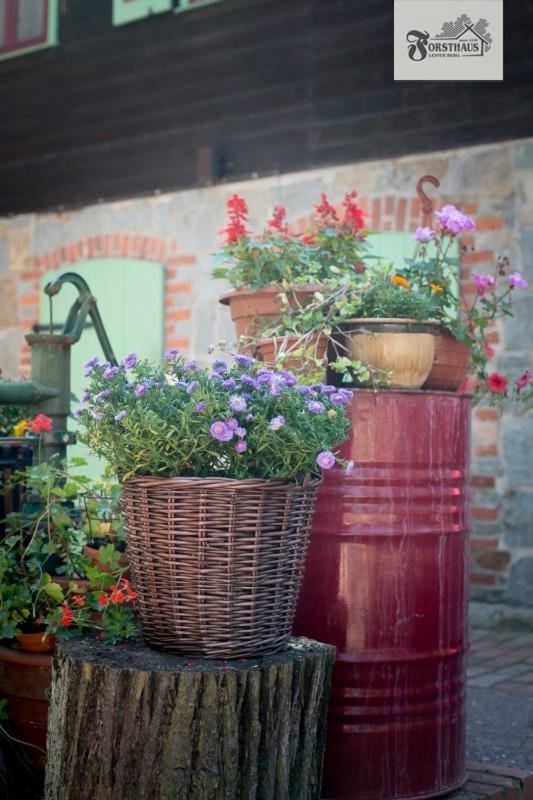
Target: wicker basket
x,y
217,563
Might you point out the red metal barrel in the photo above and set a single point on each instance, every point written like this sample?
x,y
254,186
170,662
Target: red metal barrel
x,y
386,582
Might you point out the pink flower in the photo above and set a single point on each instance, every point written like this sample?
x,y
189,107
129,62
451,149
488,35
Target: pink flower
x,y
484,282
489,351
515,279
497,383
325,459
453,221
424,234
523,381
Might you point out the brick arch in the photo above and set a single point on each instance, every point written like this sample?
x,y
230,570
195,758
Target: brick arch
x,y
159,250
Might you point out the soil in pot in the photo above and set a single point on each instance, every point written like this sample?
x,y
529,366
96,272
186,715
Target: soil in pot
x,y
315,348
403,348
450,363
253,311
25,679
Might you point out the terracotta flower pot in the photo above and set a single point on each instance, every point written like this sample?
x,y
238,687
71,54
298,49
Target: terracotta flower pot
x,y
67,583
24,680
94,554
450,363
404,348
253,311
41,642
315,347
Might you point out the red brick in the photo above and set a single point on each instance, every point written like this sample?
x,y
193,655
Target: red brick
x,y
389,205
482,481
30,274
484,513
178,343
468,208
479,543
178,314
467,240
171,274
486,450
29,300
375,218
181,261
400,213
179,288
482,579
486,414
489,223
496,560
493,337
478,257
124,245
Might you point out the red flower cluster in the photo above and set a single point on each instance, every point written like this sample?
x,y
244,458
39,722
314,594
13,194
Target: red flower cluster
x,y
121,592
238,214
40,423
497,383
278,220
326,212
353,219
67,615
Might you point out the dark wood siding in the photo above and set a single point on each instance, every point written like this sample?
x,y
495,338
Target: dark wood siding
x,y
269,85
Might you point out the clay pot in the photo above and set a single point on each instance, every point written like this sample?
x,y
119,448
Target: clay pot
x,y
403,347
450,363
252,311
41,642
24,681
67,583
269,348
93,554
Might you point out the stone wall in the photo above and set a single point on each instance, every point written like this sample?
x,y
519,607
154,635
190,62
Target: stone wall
x,y
494,183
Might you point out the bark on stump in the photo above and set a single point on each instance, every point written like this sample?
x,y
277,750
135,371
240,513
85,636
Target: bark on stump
x,y
131,723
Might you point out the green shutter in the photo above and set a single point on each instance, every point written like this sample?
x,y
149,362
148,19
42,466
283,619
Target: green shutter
x,y
130,296
125,11
188,5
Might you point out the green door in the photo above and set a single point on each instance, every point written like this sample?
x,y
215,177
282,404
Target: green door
x,y
130,296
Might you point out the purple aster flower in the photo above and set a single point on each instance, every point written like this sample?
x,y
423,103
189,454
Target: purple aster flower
x,y
86,396
277,422
120,415
230,383
192,386
248,417
325,459
453,221
243,361
424,235
288,377
339,398
515,279
130,360
219,430
316,407
328,389
101,395
249,380
216,376
305,390
237,403
263,376
231,423
78,412
201,406
276,385
92,362
110,372
96,414
170,355
191,365
219,365
241,446
142,388
240,432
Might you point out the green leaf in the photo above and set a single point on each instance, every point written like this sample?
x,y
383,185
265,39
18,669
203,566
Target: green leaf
x,y
54,591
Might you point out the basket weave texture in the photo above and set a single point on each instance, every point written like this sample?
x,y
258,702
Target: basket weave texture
x,y
217,563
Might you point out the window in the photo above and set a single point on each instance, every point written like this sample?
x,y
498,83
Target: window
x,y
130,10
27,25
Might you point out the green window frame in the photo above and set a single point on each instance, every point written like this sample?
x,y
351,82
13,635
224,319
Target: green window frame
x,y
125,11
14,39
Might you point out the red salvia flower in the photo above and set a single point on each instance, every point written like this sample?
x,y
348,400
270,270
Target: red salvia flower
x,y
497,383
353,218
238,214
40,423
278,220
326,211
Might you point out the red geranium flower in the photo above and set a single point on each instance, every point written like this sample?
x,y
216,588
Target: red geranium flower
x,y
497,383
102,600
41,423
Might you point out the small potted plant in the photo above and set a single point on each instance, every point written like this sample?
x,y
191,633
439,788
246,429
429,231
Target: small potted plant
x,y
278,271
104,527
219,470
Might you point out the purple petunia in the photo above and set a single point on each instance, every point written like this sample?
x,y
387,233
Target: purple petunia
x,y
142,388
192,386
453,221
220,431
110,372
170,355
424,235
96,414
201,406
241,446
120,415
240,432
237,403
130,360
316,407
276,422
230,383
243,361
515,279
231,423
191,365
325,459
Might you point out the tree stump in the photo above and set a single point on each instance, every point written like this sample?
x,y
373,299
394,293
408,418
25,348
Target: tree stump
x,y
131,723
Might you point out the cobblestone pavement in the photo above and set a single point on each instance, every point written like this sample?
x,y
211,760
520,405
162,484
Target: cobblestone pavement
x,y
501,660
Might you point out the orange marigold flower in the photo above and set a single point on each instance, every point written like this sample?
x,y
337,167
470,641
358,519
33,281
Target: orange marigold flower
x,y
436,287
398,280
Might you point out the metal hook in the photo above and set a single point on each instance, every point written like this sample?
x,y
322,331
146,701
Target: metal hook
x,y
427,202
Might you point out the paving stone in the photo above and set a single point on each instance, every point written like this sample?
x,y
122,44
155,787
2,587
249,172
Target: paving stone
x,y
488,680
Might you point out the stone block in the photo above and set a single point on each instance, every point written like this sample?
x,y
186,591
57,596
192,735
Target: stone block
x,y
527,252
517,518
484,172
523,154
520,586
10,344
519,328
517,438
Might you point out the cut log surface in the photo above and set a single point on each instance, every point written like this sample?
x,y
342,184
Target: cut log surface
x,y
131,723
